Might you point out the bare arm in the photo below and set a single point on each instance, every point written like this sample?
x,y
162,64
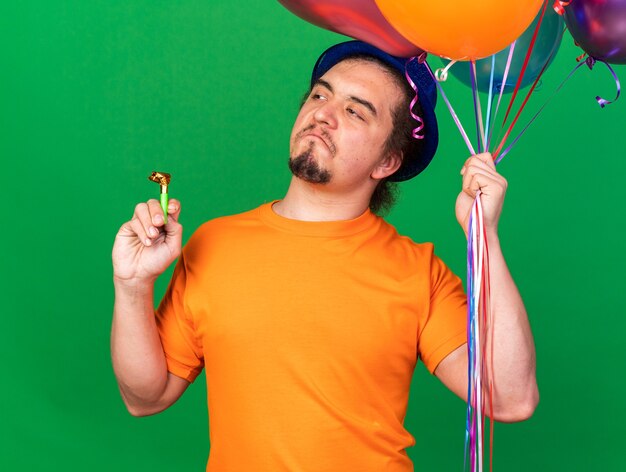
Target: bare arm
x,y
515,386
143,249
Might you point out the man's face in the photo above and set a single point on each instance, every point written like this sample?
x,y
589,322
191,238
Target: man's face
x,y
339,136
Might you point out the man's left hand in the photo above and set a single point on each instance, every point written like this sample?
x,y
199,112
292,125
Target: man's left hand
x,y
479,173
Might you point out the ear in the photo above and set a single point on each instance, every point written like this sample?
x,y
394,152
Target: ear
x,y
388,165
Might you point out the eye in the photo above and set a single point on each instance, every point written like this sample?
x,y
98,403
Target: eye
x,y
317,96
353,112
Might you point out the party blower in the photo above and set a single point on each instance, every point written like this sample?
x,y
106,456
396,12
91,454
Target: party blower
x,y
163,179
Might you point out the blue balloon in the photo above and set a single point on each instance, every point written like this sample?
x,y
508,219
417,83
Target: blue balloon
x,y
548,40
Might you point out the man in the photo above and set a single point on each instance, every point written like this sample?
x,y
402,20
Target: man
x,y
309,313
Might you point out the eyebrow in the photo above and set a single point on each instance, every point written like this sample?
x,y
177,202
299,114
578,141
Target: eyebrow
x,y
358,100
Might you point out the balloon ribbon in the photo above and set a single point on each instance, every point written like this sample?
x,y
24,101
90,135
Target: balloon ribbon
x,y
525,64
480,386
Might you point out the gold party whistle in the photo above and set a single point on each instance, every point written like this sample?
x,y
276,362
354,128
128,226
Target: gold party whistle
x,y
163,179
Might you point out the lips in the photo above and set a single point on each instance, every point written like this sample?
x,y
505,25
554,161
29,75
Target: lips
x,y
313,135
325,139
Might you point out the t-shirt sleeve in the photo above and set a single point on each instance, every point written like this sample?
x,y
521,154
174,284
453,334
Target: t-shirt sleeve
x,y
445,328
183,352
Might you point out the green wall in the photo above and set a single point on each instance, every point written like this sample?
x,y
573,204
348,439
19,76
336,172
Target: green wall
x,y
96,94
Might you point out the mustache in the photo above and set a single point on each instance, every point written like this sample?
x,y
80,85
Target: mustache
x,y
322,132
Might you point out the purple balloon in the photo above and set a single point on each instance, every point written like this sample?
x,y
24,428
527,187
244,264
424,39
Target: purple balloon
x,y
599,27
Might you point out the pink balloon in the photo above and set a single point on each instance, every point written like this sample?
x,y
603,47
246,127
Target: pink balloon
x,y
359,19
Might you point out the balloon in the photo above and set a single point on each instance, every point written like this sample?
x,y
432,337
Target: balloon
x,y
547,42
460,29
360,19
599,27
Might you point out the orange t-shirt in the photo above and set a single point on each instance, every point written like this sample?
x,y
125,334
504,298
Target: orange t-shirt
x,y
309,333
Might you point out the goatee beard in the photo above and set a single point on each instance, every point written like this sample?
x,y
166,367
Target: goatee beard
x,y
305,168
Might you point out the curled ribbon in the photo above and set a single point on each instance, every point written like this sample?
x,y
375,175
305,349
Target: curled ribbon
x,y
417,132
591,62
441,75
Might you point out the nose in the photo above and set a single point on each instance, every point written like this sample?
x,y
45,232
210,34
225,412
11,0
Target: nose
x,y
326,113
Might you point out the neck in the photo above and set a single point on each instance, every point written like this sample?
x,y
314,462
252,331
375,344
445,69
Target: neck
x,y
313,202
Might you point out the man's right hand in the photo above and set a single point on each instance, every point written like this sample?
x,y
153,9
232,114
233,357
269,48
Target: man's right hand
x,y
144,246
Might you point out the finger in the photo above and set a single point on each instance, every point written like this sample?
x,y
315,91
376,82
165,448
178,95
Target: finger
x,y
156,213
485,159
174,236
143,217
173,210
476,166
173,227
497,178
482,181
488,190
127,230
136,228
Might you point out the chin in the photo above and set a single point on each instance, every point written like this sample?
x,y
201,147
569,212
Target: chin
x,y
305,167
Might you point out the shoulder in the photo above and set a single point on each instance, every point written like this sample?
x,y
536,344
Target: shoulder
x,y
419,257
218,231
403,243
400,256
227,223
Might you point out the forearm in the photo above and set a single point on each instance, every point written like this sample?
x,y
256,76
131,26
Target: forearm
x,y
137,354
514,362
509,343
